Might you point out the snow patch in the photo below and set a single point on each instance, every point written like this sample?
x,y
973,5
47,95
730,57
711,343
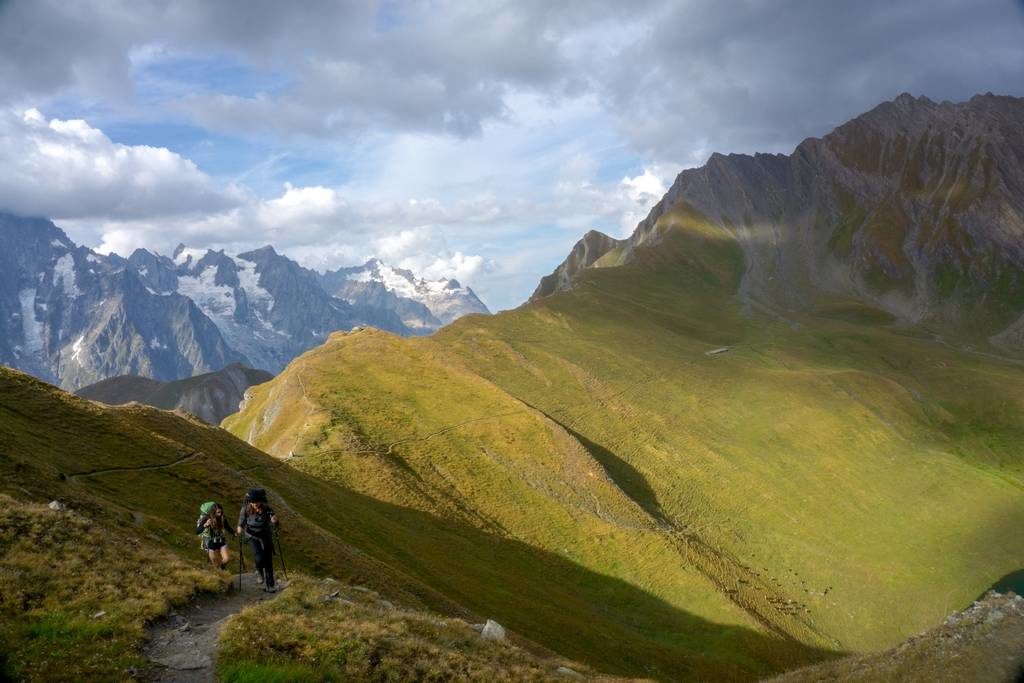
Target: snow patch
x,y
76,349
92,258
214,300
249,280
58,244
31,329
156,345
186,255
64,270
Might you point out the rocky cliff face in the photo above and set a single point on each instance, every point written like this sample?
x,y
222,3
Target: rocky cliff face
x,y
72,316
584,254
915,207
211,396
267,306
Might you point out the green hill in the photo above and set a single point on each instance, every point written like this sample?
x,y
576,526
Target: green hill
x,y
833,481
132,478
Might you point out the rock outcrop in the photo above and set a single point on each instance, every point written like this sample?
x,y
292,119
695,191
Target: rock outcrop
x,y
915,207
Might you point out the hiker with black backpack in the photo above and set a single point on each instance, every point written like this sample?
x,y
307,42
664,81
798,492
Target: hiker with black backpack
x,y
257,521
212,530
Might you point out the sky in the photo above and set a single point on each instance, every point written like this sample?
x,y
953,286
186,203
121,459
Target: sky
x,y
475,140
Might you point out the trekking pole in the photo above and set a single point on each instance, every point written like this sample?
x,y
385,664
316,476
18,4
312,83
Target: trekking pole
x,y
241,563
280,552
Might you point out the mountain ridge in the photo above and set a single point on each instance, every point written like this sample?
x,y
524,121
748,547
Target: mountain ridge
x,y
72,316
211,396
914,207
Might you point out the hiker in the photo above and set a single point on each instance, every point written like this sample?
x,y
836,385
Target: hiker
x,y
257,522
211,528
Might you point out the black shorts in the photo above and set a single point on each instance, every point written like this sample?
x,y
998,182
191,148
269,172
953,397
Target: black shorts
x,y
214,544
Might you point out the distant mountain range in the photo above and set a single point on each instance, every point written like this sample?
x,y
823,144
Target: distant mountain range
x,y
913,207
73,317
210,397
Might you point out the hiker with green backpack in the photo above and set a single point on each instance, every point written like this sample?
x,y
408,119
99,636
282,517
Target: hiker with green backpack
x,y
212,530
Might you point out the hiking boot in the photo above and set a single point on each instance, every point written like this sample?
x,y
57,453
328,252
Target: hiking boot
x,y
259,576
270,589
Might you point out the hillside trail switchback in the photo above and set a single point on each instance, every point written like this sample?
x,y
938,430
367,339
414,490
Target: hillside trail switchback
x,y
183,645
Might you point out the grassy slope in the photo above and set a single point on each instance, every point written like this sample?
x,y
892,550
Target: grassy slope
x,y
832,479
318,630
121,545
76,589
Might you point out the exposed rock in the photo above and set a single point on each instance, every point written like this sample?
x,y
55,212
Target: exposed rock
x,y
72,316
984,642
100,614
492,630
566,672
584,254
57,506
915,208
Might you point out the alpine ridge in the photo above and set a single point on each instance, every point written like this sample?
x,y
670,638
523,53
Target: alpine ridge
x,y
915,207
73,317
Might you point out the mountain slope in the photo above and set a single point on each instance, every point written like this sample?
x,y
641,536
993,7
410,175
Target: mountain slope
x,y
211,396
835,479
985,642
132,478
140,466
916,208
73,316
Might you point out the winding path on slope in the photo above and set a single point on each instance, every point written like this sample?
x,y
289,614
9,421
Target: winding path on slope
x,y
183,646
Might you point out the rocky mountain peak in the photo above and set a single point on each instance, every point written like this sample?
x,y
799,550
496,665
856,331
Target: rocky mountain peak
x,y
914,207
593,245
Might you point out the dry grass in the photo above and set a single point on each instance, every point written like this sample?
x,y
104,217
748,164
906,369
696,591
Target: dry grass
x,y
320,630
60,569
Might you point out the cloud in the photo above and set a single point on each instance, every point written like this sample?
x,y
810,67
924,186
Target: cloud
x,y
494,130
761,76
68,169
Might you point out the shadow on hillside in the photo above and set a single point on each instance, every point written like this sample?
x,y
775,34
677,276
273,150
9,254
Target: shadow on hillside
x,y
546,597
1014,581
603,621
625,476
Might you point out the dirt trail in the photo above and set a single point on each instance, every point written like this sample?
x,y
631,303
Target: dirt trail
x,y
183,646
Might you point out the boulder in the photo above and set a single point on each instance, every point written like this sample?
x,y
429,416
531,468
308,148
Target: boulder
x,y
566,672
493,631
57,506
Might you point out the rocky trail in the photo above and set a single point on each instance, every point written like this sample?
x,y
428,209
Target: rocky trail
x,y
183,645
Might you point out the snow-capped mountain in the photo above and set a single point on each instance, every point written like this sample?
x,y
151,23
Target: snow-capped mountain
x,y
423,305
74,317
267,307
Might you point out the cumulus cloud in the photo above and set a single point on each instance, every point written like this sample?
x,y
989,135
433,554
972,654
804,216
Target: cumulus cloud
x,y
68,169
490,134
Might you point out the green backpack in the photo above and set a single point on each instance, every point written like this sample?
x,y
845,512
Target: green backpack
x,y
204,510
